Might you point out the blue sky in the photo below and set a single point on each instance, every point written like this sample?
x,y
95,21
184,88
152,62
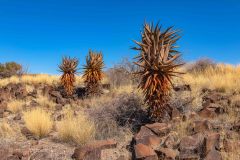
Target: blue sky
x,y
38,33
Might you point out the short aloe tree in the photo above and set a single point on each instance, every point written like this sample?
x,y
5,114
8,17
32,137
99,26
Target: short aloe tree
x,y
69,69
93,73
158,63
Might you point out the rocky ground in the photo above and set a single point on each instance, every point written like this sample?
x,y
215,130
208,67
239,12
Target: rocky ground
x,y
210,132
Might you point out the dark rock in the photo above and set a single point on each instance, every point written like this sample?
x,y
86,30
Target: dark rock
x,y
212,142
182,88
201,126
41,156
161,129
192,144
213,155
4,153
207,113
93,150
167,153
189,156
17,117
231,145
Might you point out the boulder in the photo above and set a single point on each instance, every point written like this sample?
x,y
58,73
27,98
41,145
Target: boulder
x,y
143,152
189,156
161,129
207,113
212,142
167,153
192,144
213,155
231,145
201,126
172,141
93,150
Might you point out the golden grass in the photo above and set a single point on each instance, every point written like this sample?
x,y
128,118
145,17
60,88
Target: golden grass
x,y
44,101
36,79
15,105
223,77
38,121
6,130
182,128
78,129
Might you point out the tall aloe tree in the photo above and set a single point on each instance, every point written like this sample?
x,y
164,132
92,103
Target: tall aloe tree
x,y
69,68
158,63
93,73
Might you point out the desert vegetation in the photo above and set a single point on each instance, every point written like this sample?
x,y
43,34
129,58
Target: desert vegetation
x,y
123,111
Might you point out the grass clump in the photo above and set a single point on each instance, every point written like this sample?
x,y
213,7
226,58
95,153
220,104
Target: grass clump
x,y
5,130
44,101
38,121
15,105
78,129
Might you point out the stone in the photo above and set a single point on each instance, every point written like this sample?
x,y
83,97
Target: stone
x,y
201,126
152,141
192,144
93,150
217,108
212,142
213,155
40,156
172,140
144,152
231,145
167,153
56,94
189,156
17,117
144,132
161,129
176,114
182,88
4,153
207,113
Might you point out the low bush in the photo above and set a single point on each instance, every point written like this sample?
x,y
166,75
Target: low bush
x,y
201,65
38,121
9,69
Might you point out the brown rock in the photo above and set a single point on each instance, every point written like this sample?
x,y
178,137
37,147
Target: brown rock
x,y
192,144
41,156
213,155
201,126
231,145
144,152
167,153
93,150
212,142
172,140
4,153
144,132
161,129
189,156
207,113
152,141
176,114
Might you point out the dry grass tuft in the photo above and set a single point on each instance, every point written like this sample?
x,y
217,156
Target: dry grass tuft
x,y
35,79
6,130
44,101
78,129
38,121
15,105
221,77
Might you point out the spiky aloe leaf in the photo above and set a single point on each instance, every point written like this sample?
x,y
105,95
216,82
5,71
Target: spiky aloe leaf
x,y
157,62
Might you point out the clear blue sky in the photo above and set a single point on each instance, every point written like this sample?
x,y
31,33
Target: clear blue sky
x,y
37,33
